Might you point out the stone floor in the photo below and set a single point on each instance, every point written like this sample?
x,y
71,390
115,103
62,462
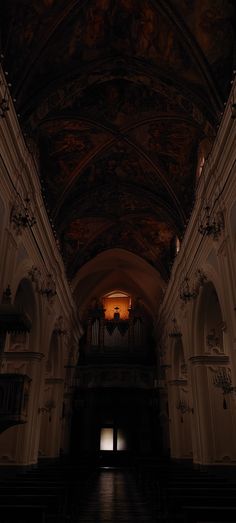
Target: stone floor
x,y
113,497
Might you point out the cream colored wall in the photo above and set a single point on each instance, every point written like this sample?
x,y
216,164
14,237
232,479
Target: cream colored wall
x,y
20,251
208,434
213,428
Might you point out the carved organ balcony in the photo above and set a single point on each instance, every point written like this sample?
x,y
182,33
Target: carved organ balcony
x,y
14,395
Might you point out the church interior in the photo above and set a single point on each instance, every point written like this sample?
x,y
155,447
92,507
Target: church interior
x,y
118,261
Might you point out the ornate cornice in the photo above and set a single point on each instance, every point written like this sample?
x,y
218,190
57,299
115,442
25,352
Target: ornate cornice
x,y
208,359
27,356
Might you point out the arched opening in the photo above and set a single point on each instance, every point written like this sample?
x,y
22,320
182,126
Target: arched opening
x,y
209,364
116,404
210,325
25,301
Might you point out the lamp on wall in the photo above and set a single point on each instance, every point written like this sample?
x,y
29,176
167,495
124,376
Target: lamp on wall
x,y
186,293
21,215
4,103
48,288
47,408
175,331
211,224
183,407
223,380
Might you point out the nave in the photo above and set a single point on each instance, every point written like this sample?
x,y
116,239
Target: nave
x,y
146,492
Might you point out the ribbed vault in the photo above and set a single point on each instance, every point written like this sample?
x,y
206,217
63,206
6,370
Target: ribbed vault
x,y
118,96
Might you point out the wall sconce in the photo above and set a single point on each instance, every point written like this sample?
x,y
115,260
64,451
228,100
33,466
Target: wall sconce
x,y
35,276
48,288
223,380
183,407
58,330
233,110
47,408
175,332
211,224
186,293
4,103
21,215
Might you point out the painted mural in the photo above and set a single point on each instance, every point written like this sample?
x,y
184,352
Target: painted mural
x,y
118,95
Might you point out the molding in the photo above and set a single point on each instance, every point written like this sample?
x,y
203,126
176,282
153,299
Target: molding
x,y
54,381
19,356
209,360
178,382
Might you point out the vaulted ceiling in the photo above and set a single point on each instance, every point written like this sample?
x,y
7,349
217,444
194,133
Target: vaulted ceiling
x,y
117,95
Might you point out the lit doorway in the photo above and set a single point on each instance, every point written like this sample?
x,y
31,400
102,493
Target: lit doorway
x,y
113,439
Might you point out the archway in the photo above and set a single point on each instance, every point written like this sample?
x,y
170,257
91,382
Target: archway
x,y
214,412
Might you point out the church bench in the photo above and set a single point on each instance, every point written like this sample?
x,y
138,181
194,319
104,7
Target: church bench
x,y
23,513
209,514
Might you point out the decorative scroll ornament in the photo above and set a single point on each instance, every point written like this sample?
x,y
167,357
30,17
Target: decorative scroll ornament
x,y
22,215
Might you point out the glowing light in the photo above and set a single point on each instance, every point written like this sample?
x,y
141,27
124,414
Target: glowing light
x,y
121,440
106,439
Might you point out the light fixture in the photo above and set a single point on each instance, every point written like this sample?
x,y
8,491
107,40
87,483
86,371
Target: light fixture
x,y
175,332
183,407
47,408
4,103
35,276
223,380
58,330
211,224
21,215
233,110
48,288
186,293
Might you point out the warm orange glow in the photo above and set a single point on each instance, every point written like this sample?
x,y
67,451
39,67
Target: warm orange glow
x,y
110,304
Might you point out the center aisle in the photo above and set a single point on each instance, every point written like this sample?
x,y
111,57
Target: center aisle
x,y
113,497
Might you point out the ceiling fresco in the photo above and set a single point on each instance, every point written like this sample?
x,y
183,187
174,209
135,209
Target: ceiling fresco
x,y
118,96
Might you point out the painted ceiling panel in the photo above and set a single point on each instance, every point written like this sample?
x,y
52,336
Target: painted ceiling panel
x,y
118,96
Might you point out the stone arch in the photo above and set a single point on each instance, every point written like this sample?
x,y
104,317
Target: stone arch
x,y
209,324
25,300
